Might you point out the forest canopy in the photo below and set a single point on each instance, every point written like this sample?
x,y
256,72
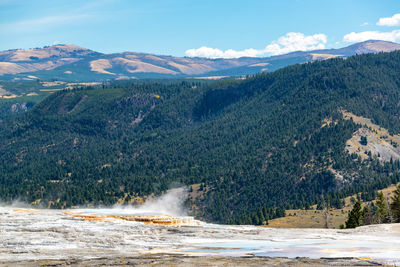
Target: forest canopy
x,y
255,145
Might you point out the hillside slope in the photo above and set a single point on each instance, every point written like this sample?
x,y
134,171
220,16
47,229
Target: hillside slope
x,y
275,140
70,62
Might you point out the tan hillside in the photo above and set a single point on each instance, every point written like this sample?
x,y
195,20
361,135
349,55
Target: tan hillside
x,y
100,66
47,58
263,64
43,53
11,68
191,68
5,94
316,56
134,66
382,46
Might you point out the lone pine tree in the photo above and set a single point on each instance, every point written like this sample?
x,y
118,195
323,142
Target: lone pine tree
x,y
395,205
355,215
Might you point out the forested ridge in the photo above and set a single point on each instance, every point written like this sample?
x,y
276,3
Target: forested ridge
x,y
255,146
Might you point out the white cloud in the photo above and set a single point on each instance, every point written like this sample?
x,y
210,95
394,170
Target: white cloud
x,y
393,36
292,41
364,24
390,21
295,41
217,53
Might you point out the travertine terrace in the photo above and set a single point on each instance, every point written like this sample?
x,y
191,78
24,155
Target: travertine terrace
x,y
102,236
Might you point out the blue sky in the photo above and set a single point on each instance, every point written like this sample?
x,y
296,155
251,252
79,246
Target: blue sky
x,y
216,28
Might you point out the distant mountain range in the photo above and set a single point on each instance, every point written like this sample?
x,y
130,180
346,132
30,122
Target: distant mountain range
x,y
74,63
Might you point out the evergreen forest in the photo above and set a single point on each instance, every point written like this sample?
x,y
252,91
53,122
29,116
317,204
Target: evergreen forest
x,y
257,146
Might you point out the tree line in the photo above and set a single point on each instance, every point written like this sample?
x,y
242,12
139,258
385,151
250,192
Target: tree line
x,y
382,211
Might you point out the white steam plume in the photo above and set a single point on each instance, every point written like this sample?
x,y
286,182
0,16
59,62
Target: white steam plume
x,y
170,203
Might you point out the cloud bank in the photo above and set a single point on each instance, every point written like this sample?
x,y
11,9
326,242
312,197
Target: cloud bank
x,y
390,21
393,36
292,41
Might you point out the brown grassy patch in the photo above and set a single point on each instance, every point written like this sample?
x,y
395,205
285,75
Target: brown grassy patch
x,y
316,218
135,66
323,56
260,64
100,65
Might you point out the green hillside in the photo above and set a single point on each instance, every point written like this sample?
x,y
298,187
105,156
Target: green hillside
x,y
256,144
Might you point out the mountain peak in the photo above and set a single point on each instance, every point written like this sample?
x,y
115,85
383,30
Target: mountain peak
x,y
374,46
54,51
66,47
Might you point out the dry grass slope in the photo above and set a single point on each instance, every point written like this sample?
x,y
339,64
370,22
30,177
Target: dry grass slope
x,y
316,218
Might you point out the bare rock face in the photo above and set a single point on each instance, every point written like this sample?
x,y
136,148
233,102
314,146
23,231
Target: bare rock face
x,y
19,107
374,146
372,140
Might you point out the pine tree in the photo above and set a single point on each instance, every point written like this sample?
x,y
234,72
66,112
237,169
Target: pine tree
x,y
261,217
395,205
354,218
374,211
383,211
363,140
366,218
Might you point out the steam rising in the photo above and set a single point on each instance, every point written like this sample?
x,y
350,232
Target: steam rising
x,y
15,204
170,203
